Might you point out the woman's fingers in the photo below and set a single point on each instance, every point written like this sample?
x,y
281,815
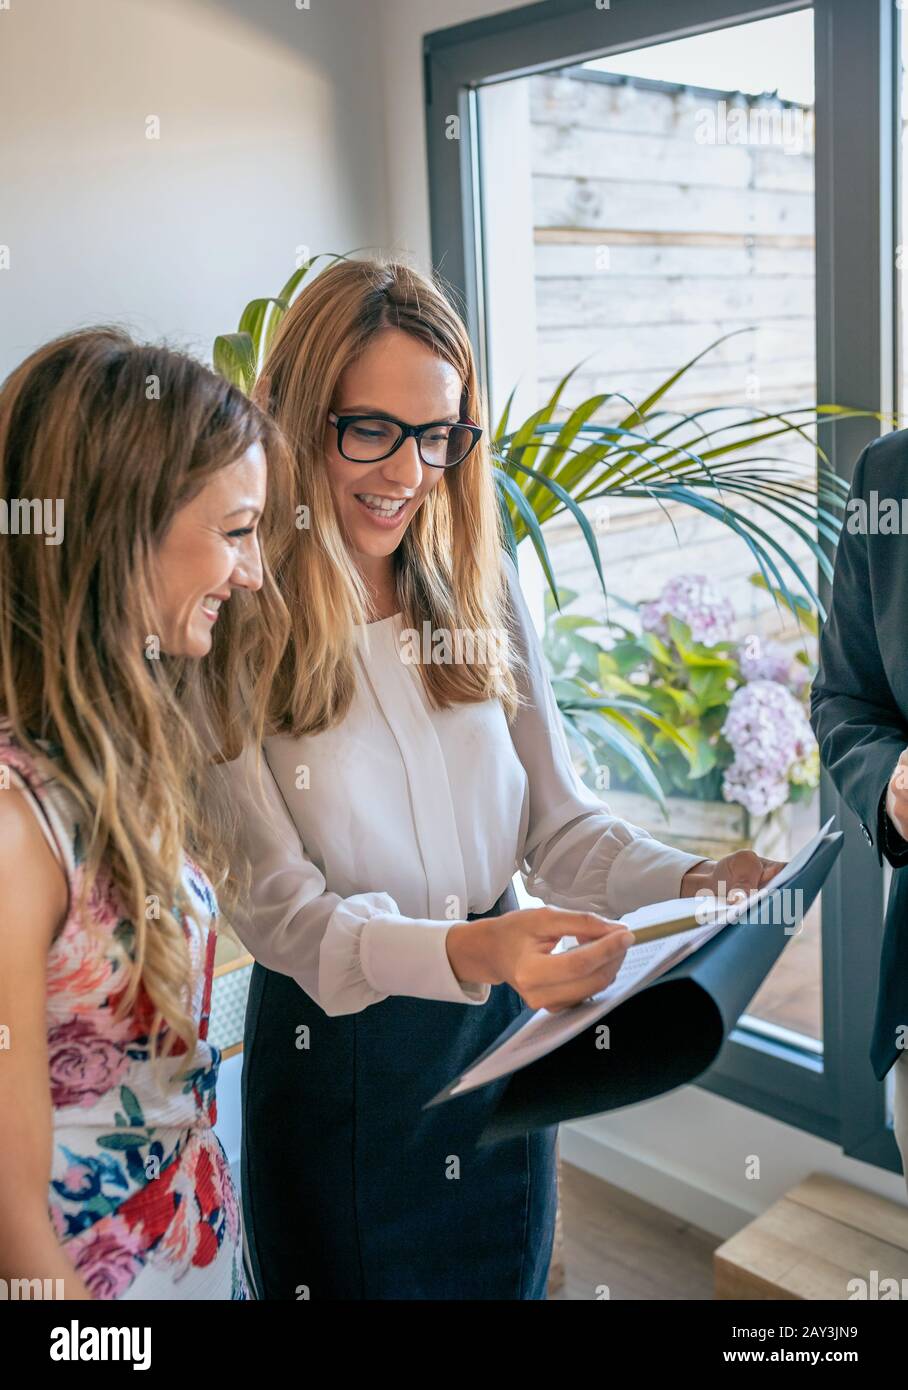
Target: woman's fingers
x,y
771,867
555,997
748,882
580,962
553,923
555,981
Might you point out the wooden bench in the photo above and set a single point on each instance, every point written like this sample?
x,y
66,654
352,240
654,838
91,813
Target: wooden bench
x,y
815,1242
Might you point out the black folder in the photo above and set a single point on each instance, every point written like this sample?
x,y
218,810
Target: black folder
x,y
664,1036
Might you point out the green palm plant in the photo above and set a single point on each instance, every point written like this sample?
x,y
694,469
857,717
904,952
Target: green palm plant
x,y
698,458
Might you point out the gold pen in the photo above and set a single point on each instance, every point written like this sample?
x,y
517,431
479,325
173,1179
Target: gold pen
x,y
660,929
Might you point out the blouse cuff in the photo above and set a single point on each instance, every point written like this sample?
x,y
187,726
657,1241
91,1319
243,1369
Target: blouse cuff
x,y
370,951
647,871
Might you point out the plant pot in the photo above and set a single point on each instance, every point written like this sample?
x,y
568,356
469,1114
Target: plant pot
x,y
710,828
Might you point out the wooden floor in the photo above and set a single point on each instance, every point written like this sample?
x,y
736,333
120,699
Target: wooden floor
x,y
614,1240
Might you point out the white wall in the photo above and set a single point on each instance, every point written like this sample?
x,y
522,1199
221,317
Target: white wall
x,y
271,137
280,127
404,25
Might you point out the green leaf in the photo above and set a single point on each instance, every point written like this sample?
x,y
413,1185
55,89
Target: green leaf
x,y
252,321
580,739
576,512
641,411
570,622
616,683
507,524
710,687
564,597
618,741
132,1140
234,359
525,437
131,1105
554,454
654,645
624,657
502,425
800,607
532,525
683,700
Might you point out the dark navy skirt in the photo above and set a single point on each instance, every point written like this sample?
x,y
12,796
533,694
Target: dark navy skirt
x,y
350,1189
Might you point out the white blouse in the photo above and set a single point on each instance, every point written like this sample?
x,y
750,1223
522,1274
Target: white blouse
x,y
380,833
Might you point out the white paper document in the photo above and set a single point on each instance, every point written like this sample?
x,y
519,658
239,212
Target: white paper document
x,y
544,1031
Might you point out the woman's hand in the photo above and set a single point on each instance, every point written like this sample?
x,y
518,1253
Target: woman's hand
x,y
734,877
517,948
897,795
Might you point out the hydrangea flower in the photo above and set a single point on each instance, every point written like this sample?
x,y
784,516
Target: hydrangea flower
x,y
692,599
773,744
772,662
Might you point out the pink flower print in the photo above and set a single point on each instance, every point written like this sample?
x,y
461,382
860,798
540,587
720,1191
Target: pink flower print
x,y
78,1178
107,1256
83,1065
102,907
79,968
175,1249
99,1020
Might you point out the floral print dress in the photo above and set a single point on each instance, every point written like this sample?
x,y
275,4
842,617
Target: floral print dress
x,y
141,1195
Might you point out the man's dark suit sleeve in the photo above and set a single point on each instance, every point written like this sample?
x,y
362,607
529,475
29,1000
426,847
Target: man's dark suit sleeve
x,y
858,724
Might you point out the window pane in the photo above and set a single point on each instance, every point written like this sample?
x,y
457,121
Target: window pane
x,y
636,210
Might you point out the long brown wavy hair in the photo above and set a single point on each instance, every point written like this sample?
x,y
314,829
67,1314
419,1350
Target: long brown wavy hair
x,y
448,564
125,435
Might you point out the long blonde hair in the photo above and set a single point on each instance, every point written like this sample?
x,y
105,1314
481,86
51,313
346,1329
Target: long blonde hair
x,y
125,435
448,566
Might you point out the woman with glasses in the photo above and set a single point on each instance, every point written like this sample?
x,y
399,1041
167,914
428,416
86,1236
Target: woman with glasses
x,y
418,761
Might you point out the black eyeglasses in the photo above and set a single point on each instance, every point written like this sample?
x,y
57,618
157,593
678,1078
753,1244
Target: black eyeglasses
x,y
369,438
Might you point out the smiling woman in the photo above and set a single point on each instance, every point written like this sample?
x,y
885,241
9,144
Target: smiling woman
x,y
113,1181
210,548
404,784
381,468
369,438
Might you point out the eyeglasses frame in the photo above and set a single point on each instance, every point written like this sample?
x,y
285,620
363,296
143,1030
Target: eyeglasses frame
x,y
341,422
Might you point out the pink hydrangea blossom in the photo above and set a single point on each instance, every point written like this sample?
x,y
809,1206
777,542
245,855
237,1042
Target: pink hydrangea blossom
x,y
770,735
772,662
692,599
